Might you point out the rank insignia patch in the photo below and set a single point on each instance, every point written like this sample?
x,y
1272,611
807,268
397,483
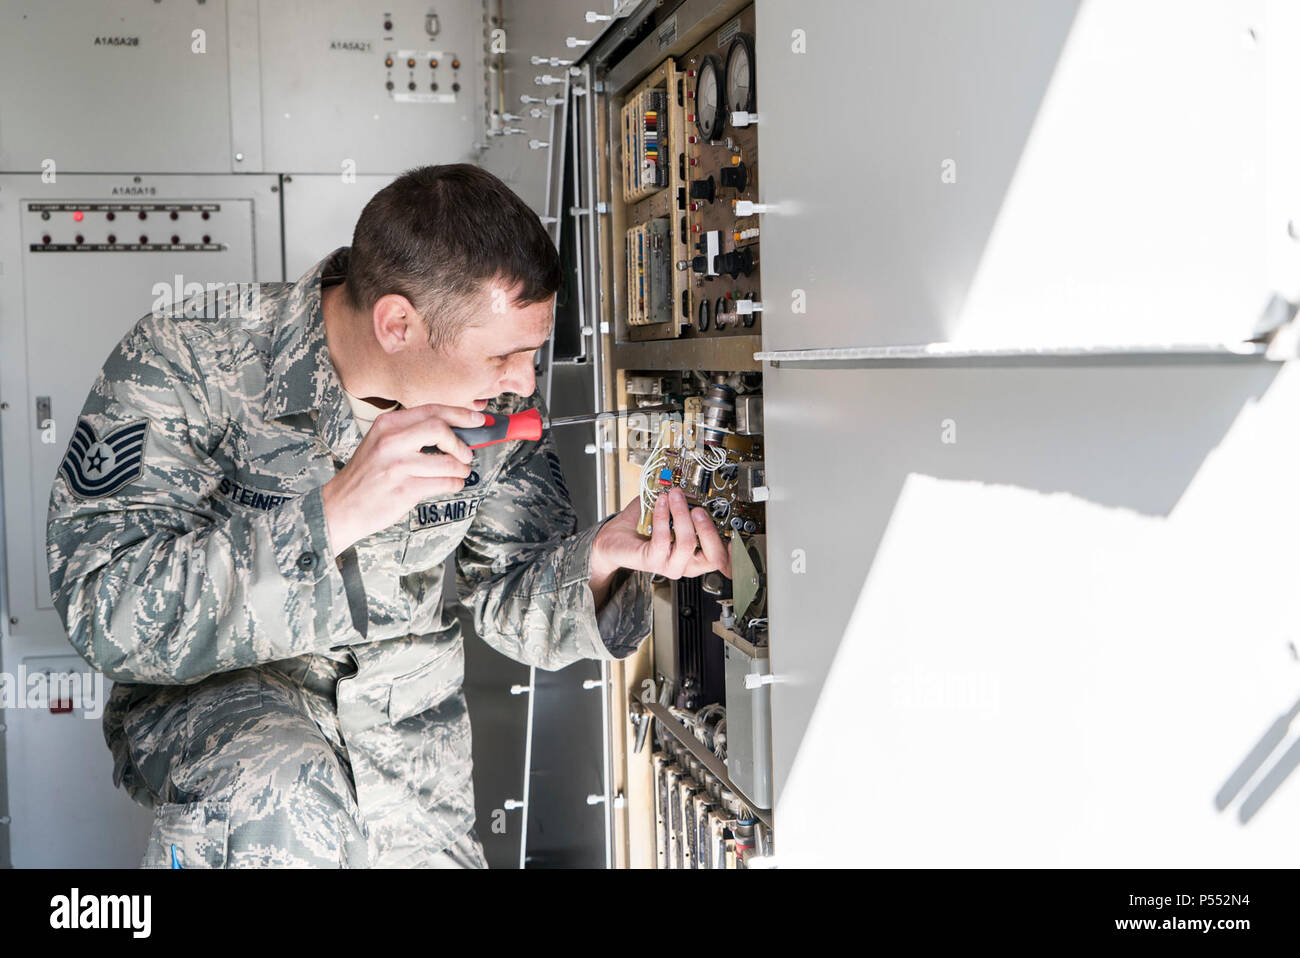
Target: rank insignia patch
x,y
95,467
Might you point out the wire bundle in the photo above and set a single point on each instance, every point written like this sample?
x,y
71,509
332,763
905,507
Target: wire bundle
x,y
711,458
654,464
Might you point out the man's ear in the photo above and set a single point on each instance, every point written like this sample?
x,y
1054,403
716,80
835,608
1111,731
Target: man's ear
x,y
396,321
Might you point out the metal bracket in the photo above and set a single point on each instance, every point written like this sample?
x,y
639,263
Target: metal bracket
x,y
1276,328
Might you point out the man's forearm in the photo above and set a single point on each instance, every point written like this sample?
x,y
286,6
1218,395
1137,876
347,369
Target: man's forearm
x,y
602,574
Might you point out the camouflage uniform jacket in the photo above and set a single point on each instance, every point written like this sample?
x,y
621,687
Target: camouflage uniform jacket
x,y
186,537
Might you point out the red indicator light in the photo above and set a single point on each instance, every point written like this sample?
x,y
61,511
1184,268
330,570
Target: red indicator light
x,y
78,216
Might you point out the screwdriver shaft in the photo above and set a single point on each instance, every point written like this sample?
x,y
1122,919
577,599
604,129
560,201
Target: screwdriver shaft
x,y
530,425
610,414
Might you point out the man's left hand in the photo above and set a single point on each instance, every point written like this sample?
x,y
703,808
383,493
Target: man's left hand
x,y
690,548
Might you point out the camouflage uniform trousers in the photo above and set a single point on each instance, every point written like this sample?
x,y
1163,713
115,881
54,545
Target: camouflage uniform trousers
x,y
249,769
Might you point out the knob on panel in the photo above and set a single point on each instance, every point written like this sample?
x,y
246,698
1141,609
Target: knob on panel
x,y
735,263
703,189
735,177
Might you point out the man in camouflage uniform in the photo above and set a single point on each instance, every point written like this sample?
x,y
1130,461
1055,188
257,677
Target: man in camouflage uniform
x,y
287,686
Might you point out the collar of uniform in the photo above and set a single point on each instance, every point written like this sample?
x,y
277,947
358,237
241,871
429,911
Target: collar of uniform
x,y
302,378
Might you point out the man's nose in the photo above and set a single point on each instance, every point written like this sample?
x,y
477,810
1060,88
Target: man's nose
x,y
522,379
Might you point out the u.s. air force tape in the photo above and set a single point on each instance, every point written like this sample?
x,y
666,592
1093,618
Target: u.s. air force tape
x,y
96,466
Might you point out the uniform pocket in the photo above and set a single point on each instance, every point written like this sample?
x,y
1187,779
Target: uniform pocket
x,y
428,685
189,836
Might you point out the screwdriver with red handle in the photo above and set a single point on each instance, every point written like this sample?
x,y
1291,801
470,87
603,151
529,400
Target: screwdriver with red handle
x,y
529,424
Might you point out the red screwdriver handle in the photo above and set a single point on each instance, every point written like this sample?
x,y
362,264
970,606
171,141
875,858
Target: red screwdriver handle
x,y
502,428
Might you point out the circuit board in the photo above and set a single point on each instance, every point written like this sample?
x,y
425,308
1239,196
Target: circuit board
x,y
709,476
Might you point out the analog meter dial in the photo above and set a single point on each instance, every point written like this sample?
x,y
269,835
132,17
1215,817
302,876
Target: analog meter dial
x,y
740,74
710,110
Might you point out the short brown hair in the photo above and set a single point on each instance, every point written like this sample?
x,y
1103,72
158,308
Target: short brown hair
x,y
436,233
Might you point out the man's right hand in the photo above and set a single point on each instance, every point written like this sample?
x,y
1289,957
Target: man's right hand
x,y
389,474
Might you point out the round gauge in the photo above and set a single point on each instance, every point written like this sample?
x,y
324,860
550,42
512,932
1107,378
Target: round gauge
x,y
710,111
740,74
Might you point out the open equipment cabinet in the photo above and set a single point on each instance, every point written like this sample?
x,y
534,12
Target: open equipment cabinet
x,y
664,150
